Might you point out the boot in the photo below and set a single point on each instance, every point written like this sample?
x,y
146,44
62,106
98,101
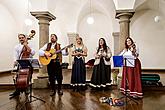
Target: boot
x,y
15,93
60,92
52,92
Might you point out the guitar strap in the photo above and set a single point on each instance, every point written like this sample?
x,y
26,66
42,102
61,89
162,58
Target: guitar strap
x,y
57,46
59,55
48,46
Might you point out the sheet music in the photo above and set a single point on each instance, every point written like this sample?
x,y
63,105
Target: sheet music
x,y
25,63
130,60
35,63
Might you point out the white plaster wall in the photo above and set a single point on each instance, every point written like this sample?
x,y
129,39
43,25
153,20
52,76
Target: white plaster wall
x,y
8,33
92,33
38,5
149,35
68,14
12,23
127,4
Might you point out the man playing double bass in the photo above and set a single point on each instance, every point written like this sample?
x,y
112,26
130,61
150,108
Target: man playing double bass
x,y
21,51
54,67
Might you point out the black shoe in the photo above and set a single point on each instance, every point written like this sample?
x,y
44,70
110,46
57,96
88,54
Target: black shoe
x,y
83,88
74,88
60,92
52,92
15,93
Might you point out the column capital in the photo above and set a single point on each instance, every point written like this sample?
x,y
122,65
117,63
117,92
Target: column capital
x,y
124,15
72,34
43,15
115,34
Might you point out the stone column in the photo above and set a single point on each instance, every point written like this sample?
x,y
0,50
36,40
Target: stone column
x,y
124,17
72,39
44,18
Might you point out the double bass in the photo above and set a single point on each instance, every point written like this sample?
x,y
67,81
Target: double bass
x,y
25,53
24,75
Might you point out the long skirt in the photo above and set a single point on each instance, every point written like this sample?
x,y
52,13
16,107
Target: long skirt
x,y
131,80
78,77
101,76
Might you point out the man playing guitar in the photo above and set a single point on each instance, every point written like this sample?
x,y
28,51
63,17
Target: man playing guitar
x,y
54,67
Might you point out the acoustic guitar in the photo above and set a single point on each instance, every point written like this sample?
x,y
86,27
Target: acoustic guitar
x,y
46,60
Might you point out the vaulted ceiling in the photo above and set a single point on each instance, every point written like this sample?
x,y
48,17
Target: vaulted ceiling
x,y
16,7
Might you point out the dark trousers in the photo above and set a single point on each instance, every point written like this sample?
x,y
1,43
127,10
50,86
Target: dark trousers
x,y
55,73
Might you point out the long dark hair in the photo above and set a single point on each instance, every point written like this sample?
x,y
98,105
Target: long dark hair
x,y
104,45
126,46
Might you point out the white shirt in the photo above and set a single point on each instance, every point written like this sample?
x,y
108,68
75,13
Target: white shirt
x,y
42,50
130,58
126,52
18,50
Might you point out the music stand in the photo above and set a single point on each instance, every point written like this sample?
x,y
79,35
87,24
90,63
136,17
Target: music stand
x,y
125,61
30,63
118,61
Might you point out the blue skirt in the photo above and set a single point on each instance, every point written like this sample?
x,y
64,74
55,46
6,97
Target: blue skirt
x,y
78,77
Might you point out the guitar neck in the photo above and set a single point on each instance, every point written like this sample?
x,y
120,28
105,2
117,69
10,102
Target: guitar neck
x,y
58,51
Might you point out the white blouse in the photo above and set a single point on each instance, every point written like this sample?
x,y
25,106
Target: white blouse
x,y
107,54
129,57
126,52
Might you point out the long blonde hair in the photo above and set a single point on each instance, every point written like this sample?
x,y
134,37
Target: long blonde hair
x,y
78,37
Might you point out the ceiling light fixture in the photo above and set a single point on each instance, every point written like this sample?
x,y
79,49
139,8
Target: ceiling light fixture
x,y
28,21
157,18
90,19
